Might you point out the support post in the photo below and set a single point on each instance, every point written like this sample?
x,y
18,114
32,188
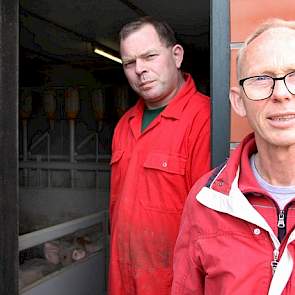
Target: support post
x,y
219,80
9,24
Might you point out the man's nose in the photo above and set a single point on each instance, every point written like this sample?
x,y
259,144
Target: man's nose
x,y
140,66
280,91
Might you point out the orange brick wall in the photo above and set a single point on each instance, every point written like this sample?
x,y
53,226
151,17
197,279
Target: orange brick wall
x,y
245,15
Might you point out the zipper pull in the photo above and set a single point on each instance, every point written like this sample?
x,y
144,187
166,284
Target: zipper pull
x,y
281,220
275,261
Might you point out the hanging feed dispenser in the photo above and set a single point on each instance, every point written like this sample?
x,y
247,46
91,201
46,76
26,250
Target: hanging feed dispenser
x,y
72,103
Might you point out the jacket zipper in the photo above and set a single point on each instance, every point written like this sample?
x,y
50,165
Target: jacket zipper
x,y
281,234
282,229
275,261
282,217
281,225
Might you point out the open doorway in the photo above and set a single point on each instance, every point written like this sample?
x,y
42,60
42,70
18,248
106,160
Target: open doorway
x,y
70,99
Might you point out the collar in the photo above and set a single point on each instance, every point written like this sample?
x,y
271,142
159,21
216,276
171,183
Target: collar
x,y
235,204
177,104
239,160
175,108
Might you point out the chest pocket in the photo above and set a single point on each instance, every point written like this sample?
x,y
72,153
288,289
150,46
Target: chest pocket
x,y
164,162
164,182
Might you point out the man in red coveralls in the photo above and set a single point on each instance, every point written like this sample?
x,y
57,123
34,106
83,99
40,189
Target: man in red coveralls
x,y
160,148
237,234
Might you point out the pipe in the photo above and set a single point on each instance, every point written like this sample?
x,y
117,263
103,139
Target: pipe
x,y
39,140
72,149
85,140
53,232
25,150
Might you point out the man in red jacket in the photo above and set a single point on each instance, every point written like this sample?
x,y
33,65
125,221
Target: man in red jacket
x,y
160,148
237,234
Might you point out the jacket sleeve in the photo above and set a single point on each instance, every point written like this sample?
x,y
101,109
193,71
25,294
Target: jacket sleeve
x,y
188,273
199,145
113,182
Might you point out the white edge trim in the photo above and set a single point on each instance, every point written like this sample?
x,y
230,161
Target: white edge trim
x,y
283,271
235,204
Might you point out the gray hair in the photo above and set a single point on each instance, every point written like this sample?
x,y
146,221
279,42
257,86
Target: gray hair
x,y
268,25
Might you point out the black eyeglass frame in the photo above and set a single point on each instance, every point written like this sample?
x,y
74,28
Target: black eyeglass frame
x,y
241,83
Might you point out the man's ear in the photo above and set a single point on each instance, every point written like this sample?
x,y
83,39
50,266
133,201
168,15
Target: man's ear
x,y
177,52
237,102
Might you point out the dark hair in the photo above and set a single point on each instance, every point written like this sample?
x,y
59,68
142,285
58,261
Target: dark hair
x,y
165,32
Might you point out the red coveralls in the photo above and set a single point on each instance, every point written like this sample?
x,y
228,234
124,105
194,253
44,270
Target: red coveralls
x,y
228,238
152,172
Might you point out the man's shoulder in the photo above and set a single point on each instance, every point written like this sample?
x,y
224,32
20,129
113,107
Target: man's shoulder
x,y
198,107
200,99
197,102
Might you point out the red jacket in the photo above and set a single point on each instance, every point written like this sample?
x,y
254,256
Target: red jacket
x,y
228,236
152,172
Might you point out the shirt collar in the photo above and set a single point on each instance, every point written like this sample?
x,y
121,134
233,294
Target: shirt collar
x,y
177,104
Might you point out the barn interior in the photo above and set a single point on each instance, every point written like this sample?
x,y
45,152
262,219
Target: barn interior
x,y
70,99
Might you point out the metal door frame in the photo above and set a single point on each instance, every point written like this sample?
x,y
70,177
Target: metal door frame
x,y
219,80
9,29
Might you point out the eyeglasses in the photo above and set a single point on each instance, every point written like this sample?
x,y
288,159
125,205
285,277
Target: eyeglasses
x,y
261,87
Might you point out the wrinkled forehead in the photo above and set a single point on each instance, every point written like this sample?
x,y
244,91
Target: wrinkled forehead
x,y
271,52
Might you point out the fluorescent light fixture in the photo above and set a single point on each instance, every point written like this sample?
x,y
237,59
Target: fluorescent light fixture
x,y
107,55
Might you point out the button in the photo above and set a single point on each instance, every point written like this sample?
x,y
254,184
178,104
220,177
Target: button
x,y
220,182
164,164
257,231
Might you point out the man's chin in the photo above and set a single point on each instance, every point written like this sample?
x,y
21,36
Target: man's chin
x,y
148,97
148,94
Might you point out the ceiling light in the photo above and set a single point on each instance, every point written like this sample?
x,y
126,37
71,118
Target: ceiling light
x,y
107,55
